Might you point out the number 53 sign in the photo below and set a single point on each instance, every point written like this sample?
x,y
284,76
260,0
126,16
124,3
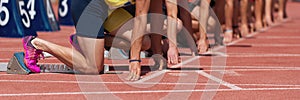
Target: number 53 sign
x,y
64,12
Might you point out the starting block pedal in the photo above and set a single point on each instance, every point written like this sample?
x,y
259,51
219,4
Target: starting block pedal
x,y
16,65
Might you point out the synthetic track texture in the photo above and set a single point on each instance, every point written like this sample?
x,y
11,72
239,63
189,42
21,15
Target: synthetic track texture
x,y
264,66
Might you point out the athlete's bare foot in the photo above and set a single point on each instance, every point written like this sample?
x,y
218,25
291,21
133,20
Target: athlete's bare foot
x,y
134,71
258,26
236,32
203,45
244,30
251,27
228,34
264,23
269,21
280,17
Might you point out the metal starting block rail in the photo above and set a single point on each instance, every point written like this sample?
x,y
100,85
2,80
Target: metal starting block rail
x,y
62,68
55,68
16,65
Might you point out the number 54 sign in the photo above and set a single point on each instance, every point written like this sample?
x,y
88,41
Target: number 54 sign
x,y
14,19
25,17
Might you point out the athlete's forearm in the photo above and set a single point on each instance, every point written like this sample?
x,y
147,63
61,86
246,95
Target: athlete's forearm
x,y
140,21
172,22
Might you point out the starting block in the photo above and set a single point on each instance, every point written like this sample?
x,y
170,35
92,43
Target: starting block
x,y
16,65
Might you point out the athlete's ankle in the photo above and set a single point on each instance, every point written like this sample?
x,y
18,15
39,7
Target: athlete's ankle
x,y
38,44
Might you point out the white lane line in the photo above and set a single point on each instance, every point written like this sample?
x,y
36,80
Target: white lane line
x,y
147,91
237,70
261,55
286,31
275,85
220,54
254,55
277,45
232,86
245,67
144,83
269,45
278,37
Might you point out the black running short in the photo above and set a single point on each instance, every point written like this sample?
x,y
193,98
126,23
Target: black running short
x,y
89,16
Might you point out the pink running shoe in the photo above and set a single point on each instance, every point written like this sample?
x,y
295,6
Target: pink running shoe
x,y
31,54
